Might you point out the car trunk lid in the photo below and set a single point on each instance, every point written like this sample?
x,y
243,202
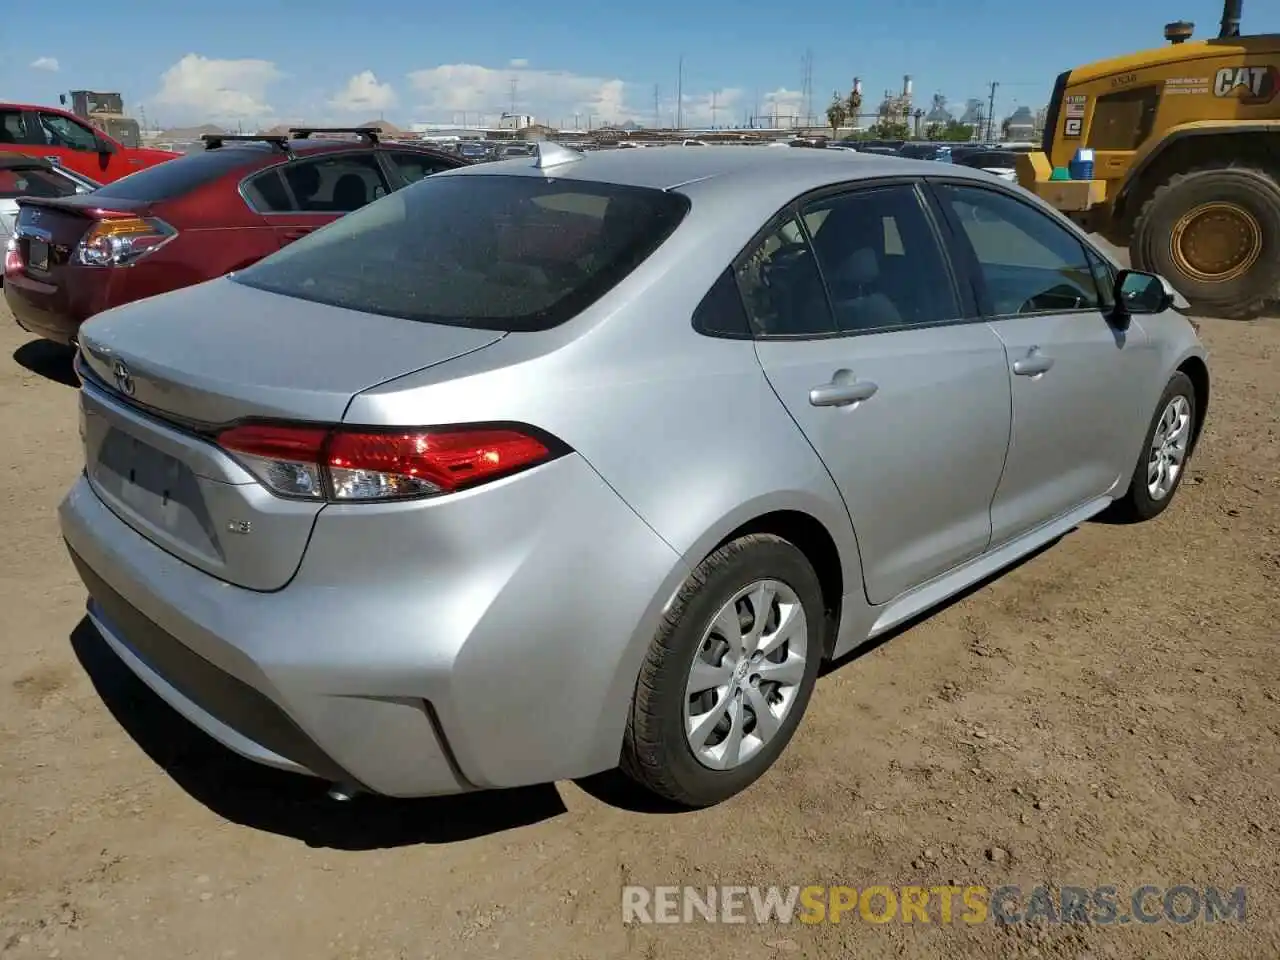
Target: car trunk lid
x,y
50,228
165,375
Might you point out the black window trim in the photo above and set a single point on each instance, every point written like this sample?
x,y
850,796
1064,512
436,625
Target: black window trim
x,y
794,210
279,166
969,257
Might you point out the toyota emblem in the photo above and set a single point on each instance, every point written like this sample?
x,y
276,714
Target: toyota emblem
x,y
124,380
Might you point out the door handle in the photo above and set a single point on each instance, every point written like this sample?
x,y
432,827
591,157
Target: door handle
x,y
297,234
842,393
1033,364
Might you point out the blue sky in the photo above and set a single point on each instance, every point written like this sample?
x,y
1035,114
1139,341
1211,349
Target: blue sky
x,y
251,63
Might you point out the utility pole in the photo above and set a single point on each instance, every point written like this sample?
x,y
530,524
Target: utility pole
x,y
714,108
680,94
806,88
515,83
657,117
991,111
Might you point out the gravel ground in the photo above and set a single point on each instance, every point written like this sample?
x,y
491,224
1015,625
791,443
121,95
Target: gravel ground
x,y
1105,713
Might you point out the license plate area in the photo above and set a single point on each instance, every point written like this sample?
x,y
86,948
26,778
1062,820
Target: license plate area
x,y
154,490
38,254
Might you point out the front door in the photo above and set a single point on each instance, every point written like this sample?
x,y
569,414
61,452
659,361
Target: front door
x,y
906,402
1074,378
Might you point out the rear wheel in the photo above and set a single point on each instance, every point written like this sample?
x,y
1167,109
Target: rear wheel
x,y
1215,234
728,675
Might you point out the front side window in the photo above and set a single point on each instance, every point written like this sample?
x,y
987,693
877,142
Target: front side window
x,y
61,131
782,288
492,252
1028,263
414,166
881,260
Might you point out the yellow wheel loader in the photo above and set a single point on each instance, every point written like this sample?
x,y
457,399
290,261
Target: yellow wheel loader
x,y
1185,143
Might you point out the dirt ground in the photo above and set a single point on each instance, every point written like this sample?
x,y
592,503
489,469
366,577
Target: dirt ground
x,y
1106,713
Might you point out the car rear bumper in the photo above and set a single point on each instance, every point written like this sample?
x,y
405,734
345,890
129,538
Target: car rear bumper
x,y
500,651
56,310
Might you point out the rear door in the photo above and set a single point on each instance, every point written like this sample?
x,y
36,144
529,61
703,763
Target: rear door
x,y
1075,380
900,389
302,195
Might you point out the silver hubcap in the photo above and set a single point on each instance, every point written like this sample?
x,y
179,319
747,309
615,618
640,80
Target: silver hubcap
x,y
745,674
1169,448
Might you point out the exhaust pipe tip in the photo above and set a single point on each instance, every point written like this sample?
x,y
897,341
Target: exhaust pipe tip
x,y
342,792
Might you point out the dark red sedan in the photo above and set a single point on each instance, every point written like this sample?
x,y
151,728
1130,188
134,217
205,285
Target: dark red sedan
x,y
193,219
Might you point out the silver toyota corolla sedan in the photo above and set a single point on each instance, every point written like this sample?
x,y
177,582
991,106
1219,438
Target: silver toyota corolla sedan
x,y
564,463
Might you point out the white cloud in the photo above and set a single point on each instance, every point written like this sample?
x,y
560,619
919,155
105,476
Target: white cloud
x,y
45,63
364,94
201,89
786,104
448,92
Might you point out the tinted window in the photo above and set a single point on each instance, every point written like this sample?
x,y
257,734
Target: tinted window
x,y
1123,120
919,151
13,128
881,260
1028,263
33,183
1104,275
500,253
328,184
721,314
782,287
173,178
61,131
414,166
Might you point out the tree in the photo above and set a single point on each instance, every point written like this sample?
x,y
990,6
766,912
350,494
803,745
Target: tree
x,y
890,130
853,103
1004,128
934,131
954,132
836,114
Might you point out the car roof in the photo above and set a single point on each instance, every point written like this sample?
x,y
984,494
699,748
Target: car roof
x,y
719,169
309,146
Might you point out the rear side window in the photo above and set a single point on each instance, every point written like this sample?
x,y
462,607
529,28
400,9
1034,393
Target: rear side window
x,y
493,252
327,184
172,178
33,183
881,260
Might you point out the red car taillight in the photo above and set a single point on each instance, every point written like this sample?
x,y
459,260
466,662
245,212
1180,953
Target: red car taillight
x,y
119,241
351,464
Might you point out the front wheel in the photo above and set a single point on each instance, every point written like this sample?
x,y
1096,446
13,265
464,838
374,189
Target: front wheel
x,y
1165,453
728,675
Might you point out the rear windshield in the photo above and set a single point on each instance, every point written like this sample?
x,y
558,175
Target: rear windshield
x,y
920,151
493,252
172,178
33,183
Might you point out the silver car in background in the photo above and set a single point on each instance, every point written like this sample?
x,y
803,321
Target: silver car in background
x,y
26,176
551,465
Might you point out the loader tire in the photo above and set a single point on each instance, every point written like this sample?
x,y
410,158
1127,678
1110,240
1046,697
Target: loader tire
x,y
1214,233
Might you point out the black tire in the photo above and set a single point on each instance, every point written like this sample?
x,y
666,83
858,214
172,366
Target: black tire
x,y
1137,505
656,753
1253,189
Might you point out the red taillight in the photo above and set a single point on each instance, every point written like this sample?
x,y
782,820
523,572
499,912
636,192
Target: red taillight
x,y
350,464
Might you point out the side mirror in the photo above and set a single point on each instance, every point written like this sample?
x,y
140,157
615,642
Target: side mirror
x,y
1139,293
105,145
